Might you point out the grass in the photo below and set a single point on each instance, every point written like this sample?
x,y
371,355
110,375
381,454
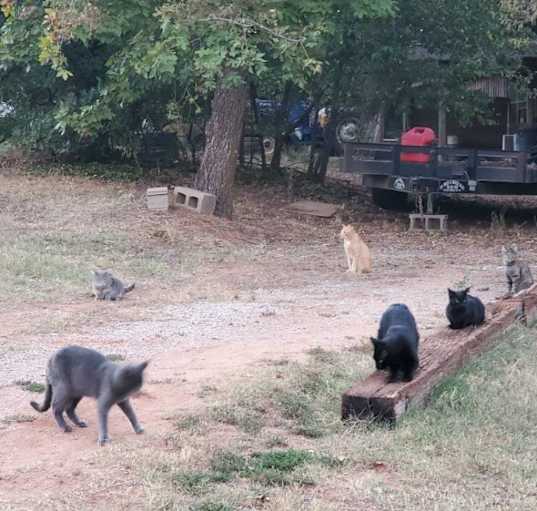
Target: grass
x,y
210,506
31,386
268,468
301,398
192,483
115,357
477,436
276,441
111,172
249,421
473,448
276,436
192,423
18,418
207,390
57,229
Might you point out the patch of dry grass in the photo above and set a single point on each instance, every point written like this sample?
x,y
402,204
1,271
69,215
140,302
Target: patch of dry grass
x,y
12,419
31,386
472,448
55,230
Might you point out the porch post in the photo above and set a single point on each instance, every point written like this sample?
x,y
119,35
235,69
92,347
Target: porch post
x,y
405,121
530,112
442,124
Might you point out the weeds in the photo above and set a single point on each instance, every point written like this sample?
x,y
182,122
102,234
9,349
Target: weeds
x,y
13,419
189,423
192,483
249,421
57,229
302,398
228,463
276,441
472,448
31,386
210,506
115,357
207,390
270,468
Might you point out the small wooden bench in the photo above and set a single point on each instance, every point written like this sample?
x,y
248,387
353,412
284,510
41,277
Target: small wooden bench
x,y
426,219
441,354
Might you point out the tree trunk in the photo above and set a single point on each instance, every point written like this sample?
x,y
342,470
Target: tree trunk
x,y
320,155
223,136
373,127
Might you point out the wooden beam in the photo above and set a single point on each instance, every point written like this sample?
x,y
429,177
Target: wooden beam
x,y
441,354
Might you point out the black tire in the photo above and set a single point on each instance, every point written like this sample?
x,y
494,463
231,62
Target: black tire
x,y
390,199
346,132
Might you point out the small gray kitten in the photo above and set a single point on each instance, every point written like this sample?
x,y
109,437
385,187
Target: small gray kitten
x,y
108,287
518,272
75,372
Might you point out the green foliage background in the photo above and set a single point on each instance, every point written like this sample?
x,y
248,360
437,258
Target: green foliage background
x,y
90,79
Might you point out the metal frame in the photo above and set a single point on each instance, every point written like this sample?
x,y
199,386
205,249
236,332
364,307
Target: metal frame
x,y
449,170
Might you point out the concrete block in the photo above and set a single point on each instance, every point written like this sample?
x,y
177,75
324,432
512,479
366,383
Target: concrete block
x,y
427,219
201,202
157,198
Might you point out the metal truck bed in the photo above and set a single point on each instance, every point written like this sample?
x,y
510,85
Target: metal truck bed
x,y
449,170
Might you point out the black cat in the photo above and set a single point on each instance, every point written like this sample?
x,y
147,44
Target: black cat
x,y
464,310
396,346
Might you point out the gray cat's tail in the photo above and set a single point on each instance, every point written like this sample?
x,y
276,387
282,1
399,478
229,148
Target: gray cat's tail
x,y
129,288
46,403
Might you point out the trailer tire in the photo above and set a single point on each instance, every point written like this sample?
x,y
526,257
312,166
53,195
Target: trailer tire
x,y
390,199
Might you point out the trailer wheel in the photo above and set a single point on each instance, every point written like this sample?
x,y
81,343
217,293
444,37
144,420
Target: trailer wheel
x,y
390,199
346,133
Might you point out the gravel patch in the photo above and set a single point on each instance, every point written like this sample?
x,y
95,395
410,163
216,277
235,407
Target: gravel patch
x,y
332,309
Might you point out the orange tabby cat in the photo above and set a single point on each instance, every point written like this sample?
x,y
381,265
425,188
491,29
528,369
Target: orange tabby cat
x,y
358,255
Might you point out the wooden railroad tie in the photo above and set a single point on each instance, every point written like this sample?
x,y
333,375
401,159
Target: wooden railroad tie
x,y
441,354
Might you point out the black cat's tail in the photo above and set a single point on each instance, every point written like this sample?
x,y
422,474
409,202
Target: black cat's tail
x,y
46,403
129,288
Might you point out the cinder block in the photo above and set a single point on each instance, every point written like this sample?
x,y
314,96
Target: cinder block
x,y
157,198
188,198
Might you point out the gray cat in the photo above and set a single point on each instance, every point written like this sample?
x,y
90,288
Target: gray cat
x,y
74,372
108,287
518,272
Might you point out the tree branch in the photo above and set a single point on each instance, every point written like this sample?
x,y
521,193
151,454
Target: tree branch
x,y
248,23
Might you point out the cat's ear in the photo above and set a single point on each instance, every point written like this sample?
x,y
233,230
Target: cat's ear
x,y
451,292
141,367
467,290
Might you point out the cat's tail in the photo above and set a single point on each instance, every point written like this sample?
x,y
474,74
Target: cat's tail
x,y
129,288
46,403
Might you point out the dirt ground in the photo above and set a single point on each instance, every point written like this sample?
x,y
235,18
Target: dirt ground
x,y
214,302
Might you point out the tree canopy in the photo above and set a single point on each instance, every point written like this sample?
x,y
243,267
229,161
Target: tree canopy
x,y
91,77
104,66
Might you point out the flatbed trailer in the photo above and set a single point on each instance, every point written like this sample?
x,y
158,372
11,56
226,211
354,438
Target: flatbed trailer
x,y
447,171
